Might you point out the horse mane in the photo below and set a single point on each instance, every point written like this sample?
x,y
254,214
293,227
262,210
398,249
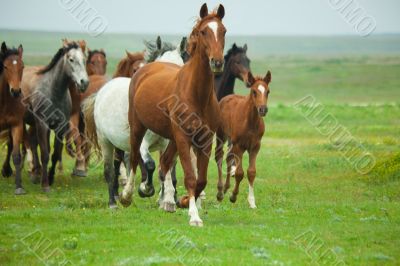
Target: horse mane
x,y
60,53
154,53
3,56
93,52
232,51
127,61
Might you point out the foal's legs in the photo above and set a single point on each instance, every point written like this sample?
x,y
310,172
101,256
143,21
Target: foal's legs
x,y
251,175
238,153
42,134
17,136
58,146
6,171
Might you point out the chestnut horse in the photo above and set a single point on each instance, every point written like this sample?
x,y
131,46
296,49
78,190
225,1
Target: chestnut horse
x,y
11,108
96,63
242,123
46,94
180,104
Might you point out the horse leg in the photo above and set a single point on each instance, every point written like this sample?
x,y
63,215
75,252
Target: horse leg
x,y
219,156
33,156
230,162
42,133
203,157
183,145
109,172
80,164
168,161
137,131
58,145
6,171
17,136
238,153
118,169
146,187
251,175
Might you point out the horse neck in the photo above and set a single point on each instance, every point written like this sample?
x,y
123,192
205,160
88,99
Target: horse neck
x,y
59,80
202,79
122,69
4,92
225,83
252,113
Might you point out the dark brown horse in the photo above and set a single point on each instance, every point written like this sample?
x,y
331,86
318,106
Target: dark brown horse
x,y
180,104
11,108
96,63
242,123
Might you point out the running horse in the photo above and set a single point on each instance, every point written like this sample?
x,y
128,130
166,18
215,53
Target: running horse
x,y
46,95
179,103
11,108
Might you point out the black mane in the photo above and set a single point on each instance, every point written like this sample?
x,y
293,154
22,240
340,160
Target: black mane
x,y
3,56
93,52
154,53
60,53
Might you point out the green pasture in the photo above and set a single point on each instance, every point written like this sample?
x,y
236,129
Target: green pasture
x,y
314,207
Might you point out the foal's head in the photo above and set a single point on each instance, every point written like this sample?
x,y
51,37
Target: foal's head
x,y
209,35
237,62
11,66
96,62
259,91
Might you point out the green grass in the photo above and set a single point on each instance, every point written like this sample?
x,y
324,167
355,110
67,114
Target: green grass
x,y
308,195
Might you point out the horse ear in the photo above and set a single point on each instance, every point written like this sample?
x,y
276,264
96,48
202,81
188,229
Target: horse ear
x,y
65,42
20,50
159,43
245,47
82,44
234,46
3,47
182,46
221,12
250,80
268,77
203,11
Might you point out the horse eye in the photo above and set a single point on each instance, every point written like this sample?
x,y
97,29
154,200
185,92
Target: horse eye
x,y
254,93
203,32
71,60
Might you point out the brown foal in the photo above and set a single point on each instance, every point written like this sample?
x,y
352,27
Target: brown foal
x,y
11,108
179,103
242,123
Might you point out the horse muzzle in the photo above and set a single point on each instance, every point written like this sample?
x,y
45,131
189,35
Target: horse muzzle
x,y
83,85
262,110
217,66
15,92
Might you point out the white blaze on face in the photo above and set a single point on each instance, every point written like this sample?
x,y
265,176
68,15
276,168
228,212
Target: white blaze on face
x,y
214,27
141,65
261,88
14,62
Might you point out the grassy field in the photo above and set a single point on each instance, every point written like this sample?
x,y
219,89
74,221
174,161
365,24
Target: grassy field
x,y
313,206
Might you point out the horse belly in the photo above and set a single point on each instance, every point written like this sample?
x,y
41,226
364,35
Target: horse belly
x,y
111,113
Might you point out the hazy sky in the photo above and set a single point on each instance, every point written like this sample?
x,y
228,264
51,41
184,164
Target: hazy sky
x,y
243,17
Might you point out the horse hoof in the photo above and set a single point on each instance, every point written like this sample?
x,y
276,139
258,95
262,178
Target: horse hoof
x,y
20,191
126,202
197,223
80,173
169,206
184,202
113,206
220,196
146,191
6,171
232,198
46,189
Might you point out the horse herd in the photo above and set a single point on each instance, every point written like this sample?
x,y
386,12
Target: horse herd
x,y
173,100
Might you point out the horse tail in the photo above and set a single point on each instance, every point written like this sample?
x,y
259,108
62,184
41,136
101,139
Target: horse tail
x,y
90,124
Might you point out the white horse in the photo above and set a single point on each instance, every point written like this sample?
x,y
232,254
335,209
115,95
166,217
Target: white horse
x,y
106,113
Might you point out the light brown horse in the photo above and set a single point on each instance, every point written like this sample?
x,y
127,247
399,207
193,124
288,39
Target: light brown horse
x,y
126,68
242,123
180,104
11,108
96,63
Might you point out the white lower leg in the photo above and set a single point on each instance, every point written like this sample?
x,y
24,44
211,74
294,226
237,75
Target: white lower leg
x,y
251,199
123,173
168,203
127,192
194,213
29,159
